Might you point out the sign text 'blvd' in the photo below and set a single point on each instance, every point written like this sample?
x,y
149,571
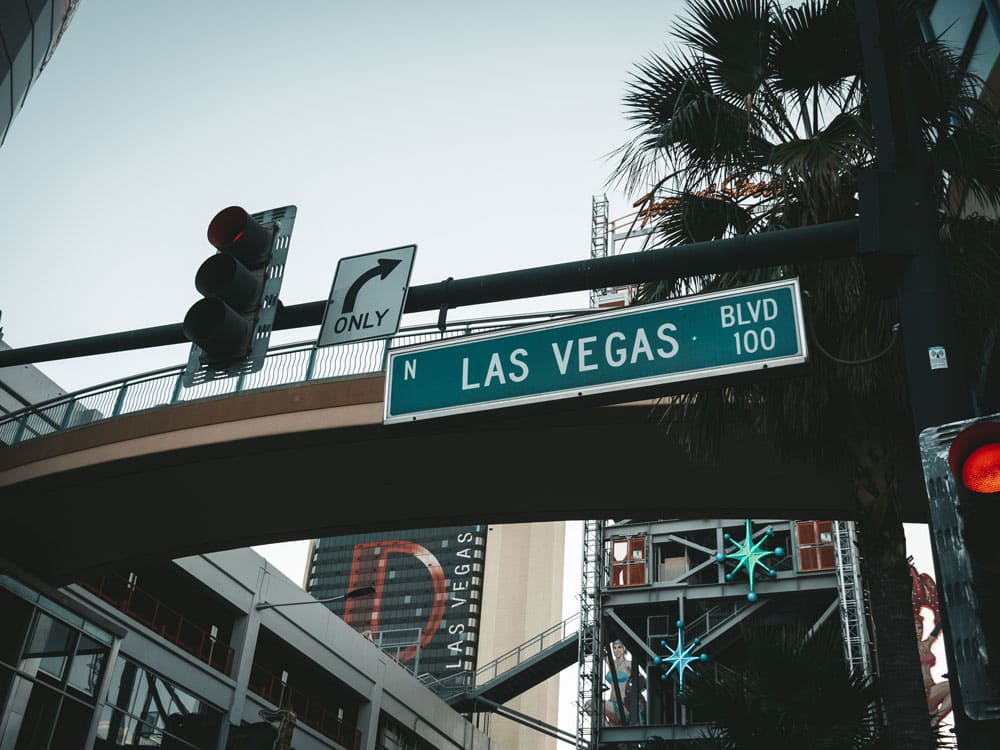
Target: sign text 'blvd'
x,y
704,337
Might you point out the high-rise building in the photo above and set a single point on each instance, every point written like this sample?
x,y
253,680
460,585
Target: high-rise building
x,y
522,605
29,33
450,600
428,585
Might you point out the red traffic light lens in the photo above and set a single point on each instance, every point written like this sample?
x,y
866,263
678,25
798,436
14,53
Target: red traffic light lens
x,y
974,456
237,233
227,226
981,469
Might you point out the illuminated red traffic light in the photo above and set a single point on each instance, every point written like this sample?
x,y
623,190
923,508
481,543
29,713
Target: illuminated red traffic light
x,y
981,469
961,462
974,460
974,457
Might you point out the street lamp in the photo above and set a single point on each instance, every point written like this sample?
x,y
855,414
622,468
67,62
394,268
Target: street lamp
x,y
353,593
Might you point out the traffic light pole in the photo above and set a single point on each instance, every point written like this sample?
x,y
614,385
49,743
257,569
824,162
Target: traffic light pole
x,y
901,228
802,245
901,225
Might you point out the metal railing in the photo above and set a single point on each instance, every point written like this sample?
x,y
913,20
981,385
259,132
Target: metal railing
x,y
142,606
461,681
546,639
311,710
708,626
284,365
396,642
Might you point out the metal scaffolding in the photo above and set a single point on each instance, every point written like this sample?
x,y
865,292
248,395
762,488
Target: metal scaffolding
x,y
598,236
852,599
588,665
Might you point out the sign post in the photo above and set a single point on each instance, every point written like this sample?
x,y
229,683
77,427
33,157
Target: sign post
x,y
367,297
699,338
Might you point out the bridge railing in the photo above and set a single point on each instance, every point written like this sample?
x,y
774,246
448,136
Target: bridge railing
x,y
533,647
459,682
284,365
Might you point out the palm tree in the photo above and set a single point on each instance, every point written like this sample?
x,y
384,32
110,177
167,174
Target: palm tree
x,y
794,691
758,121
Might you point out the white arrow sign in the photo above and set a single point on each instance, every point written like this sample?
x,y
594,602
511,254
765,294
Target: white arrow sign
x,y
368,296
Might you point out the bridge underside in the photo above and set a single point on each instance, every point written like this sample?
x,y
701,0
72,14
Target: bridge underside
x,y
315,460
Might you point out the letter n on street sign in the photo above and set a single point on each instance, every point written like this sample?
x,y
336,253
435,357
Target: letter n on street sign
x,y
368,296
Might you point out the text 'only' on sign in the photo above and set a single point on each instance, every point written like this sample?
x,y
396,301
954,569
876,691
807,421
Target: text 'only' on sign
x,y
705,337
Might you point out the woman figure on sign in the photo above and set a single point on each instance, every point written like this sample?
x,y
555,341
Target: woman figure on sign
x,y
938,693
620,670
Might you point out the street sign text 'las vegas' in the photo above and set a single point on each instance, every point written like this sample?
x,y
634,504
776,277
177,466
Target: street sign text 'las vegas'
x,y
704,337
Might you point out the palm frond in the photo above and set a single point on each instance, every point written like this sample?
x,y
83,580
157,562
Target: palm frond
x,y
944,91
833,151
679,118
699,218
823,168
735,38
969,156
816,46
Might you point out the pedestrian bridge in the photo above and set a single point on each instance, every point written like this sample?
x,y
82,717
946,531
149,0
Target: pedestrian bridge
x,y
143,469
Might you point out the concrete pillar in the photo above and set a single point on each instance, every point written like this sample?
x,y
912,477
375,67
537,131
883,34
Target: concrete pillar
x,y
244,643
369,714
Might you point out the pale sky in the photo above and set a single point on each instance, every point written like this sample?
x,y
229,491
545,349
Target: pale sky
x,y
477,131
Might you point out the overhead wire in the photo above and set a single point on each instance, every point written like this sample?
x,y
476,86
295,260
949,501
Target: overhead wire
x,y
850,362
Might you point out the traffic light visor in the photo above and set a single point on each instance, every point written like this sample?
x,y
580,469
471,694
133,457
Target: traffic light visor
x,y
974,458
227,226
234,231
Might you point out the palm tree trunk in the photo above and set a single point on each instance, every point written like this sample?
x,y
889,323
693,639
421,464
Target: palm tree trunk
x,y
886,574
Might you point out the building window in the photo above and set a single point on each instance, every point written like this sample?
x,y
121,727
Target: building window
x,y
628,561
50,673
815,542
145,709
394,736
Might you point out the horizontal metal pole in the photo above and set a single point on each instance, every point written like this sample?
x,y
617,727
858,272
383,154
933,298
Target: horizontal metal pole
x,y
802,245
142,338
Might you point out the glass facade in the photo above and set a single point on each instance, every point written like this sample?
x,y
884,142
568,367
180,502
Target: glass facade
x,y
971,28
428,589
143,709
105,664
61,683
51,671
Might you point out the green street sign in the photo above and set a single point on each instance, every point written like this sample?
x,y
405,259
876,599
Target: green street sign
x,y
702,337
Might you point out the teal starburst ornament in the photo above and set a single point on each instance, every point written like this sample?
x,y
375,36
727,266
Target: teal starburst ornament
x,y
749,555
679,658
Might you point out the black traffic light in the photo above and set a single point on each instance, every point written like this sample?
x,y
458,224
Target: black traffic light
x,y
230,327
962,474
